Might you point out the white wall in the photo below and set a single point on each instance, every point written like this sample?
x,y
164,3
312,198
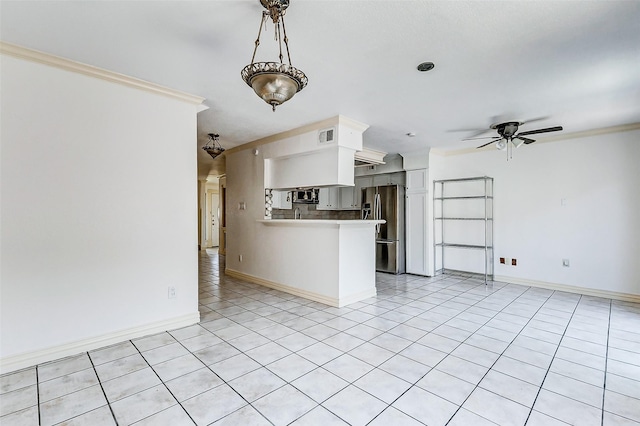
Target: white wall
x,y
598,228
99,211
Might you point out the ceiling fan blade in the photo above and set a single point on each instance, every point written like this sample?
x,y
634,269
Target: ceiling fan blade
x,y
478,133
475,129
535,119
533,132
488,143
485,137
527,141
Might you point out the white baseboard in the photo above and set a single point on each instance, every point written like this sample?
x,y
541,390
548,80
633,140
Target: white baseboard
x,y
17,362
317,297
626,297
357,297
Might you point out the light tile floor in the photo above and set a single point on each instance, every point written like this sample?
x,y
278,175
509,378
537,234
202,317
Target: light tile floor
x,y
438,351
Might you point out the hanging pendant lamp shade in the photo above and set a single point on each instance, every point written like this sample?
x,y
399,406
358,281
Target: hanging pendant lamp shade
x,y
274,82
213,147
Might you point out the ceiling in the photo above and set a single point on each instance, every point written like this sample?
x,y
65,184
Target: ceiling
x,y
577,63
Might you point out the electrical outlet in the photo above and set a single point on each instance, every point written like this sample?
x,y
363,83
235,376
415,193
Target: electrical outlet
x,y
565,263
514,262
171,292
502,260
240,258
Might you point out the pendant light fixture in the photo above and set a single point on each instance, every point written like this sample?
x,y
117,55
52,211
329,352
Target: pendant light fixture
x,y
212,146
274,82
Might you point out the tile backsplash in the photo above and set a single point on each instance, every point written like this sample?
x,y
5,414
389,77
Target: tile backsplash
x,y
309,211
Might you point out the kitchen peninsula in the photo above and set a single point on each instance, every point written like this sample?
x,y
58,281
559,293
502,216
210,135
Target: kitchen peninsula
x,y
329,261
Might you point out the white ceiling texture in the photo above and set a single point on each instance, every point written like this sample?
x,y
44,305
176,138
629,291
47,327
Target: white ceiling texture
x,y
575,62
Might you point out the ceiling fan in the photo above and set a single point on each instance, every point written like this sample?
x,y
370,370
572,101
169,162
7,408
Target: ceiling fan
x,y
508,132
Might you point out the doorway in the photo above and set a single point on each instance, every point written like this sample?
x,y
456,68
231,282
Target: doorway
x,y
212,228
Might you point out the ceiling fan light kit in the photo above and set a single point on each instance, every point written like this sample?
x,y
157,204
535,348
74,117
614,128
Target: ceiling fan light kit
x,y
517,142
274,82
508,132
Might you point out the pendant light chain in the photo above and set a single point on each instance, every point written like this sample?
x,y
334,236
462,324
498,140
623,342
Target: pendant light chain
x,y
286,40
279,37
257,42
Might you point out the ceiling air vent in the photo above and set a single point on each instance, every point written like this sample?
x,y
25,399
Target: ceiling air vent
x,y
368,157
326,136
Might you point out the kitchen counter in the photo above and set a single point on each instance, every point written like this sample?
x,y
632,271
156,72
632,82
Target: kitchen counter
x,y
329,261
318,222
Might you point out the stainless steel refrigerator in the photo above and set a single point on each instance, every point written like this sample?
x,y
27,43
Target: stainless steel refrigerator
x,y
387,203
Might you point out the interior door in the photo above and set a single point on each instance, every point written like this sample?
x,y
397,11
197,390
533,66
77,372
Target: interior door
x,y
215,219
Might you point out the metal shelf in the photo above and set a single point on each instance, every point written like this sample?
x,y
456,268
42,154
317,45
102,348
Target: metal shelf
x,y
483,190
463,218
469,246
474,197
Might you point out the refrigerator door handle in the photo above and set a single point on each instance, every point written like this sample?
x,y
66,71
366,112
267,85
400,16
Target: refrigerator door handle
x,y
377,208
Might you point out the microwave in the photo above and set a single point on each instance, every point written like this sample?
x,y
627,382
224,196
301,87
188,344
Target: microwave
x,y
305,196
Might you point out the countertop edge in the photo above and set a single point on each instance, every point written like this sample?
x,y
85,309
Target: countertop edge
x,y
318,222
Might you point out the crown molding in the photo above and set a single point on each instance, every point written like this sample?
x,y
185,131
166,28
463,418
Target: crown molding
x,y
555,138
91,71
370,156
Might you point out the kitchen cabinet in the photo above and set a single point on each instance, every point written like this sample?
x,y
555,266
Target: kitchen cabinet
x,y
397,178
361,182
329,198
338,198
417,229
281,199
348,198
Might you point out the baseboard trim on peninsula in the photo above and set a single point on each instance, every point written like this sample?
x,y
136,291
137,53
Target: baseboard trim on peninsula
x,y
316,297
28,359
625,297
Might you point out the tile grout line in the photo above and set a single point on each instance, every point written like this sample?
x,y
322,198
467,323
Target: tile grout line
x,y
475,287
552,359
344,352
388,297
102,388
463,341
432,368
223,381
412,342
38,397
163,383
606,361
501,354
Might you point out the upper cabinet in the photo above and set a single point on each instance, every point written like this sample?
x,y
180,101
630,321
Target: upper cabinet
x,y
361,183
329,199
348,198
337,198
389,179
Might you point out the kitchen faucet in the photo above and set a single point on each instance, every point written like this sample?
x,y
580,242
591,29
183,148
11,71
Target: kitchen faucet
x,y
297,214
